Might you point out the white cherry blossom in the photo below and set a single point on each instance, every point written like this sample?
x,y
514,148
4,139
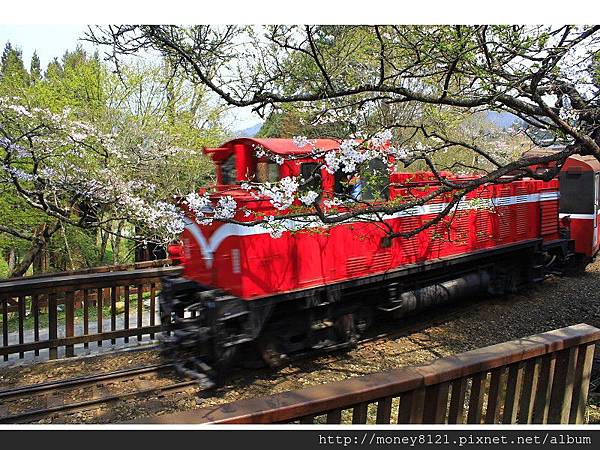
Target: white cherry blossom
x,y
309,198
225,208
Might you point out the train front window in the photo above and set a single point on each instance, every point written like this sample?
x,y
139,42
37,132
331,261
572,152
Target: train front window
x,y
576,192
375,178
310,176
267,172
228,172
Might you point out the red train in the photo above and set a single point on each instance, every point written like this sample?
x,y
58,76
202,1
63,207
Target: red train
x,y
245,293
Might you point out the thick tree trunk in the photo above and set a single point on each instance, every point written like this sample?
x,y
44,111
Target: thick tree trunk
x,y
37,247
103,244
116,244
40,261
28,259
12,260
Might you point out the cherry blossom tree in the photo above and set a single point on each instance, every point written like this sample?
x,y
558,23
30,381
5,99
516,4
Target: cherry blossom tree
x,y
362,76
77,175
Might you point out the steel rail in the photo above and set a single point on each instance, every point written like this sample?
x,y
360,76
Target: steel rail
x,y
93,403
80,381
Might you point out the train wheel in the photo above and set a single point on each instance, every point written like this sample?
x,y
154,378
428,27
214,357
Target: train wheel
x,y
363,320
272,352
345,328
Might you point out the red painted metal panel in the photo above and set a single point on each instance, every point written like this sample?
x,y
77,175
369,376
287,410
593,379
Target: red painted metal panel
x,y
317,257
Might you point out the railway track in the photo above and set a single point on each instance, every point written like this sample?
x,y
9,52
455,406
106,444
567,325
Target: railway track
x,y
15,403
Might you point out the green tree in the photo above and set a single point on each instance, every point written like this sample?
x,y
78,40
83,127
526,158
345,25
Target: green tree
x,y
13,73
5,56
35,68
157,124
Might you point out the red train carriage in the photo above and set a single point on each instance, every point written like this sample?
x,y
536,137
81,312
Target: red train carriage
x,y
579,204
579,201
243,289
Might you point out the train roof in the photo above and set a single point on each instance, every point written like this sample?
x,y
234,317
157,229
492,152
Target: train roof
x,y
590,160
587,160
283,146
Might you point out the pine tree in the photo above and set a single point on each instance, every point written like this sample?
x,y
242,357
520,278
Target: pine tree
x,y
35,69
54,70
4,60
12,67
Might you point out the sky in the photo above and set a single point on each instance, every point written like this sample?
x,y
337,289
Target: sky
x,y
49,41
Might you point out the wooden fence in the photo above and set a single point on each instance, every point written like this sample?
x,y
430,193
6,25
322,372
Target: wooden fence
x,y
59,310
538,379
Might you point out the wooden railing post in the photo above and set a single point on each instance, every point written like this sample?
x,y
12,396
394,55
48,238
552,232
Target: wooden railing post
x,y
86,315
335,416
513,391
140,308
69,321
99,314
411,406
476,398
4,301
527,398
436,402
152,306
359,413
113,310
21,313
562,388
457,401
52,325
384,410
35,309
585,356
493,403
126,312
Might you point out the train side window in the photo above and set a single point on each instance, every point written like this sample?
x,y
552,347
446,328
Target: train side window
x,y
267,172
228,172
347,184
370,183
375,178
311,174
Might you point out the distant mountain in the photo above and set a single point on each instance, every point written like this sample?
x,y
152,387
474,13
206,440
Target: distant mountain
x,y
250,131
502,119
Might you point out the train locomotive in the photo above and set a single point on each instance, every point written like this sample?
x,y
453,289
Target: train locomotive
x,y
245,295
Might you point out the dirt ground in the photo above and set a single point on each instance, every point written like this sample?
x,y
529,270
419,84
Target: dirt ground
x,y
457,328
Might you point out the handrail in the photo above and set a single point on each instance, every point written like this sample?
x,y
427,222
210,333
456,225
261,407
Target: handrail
x,y
25,286
97,269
